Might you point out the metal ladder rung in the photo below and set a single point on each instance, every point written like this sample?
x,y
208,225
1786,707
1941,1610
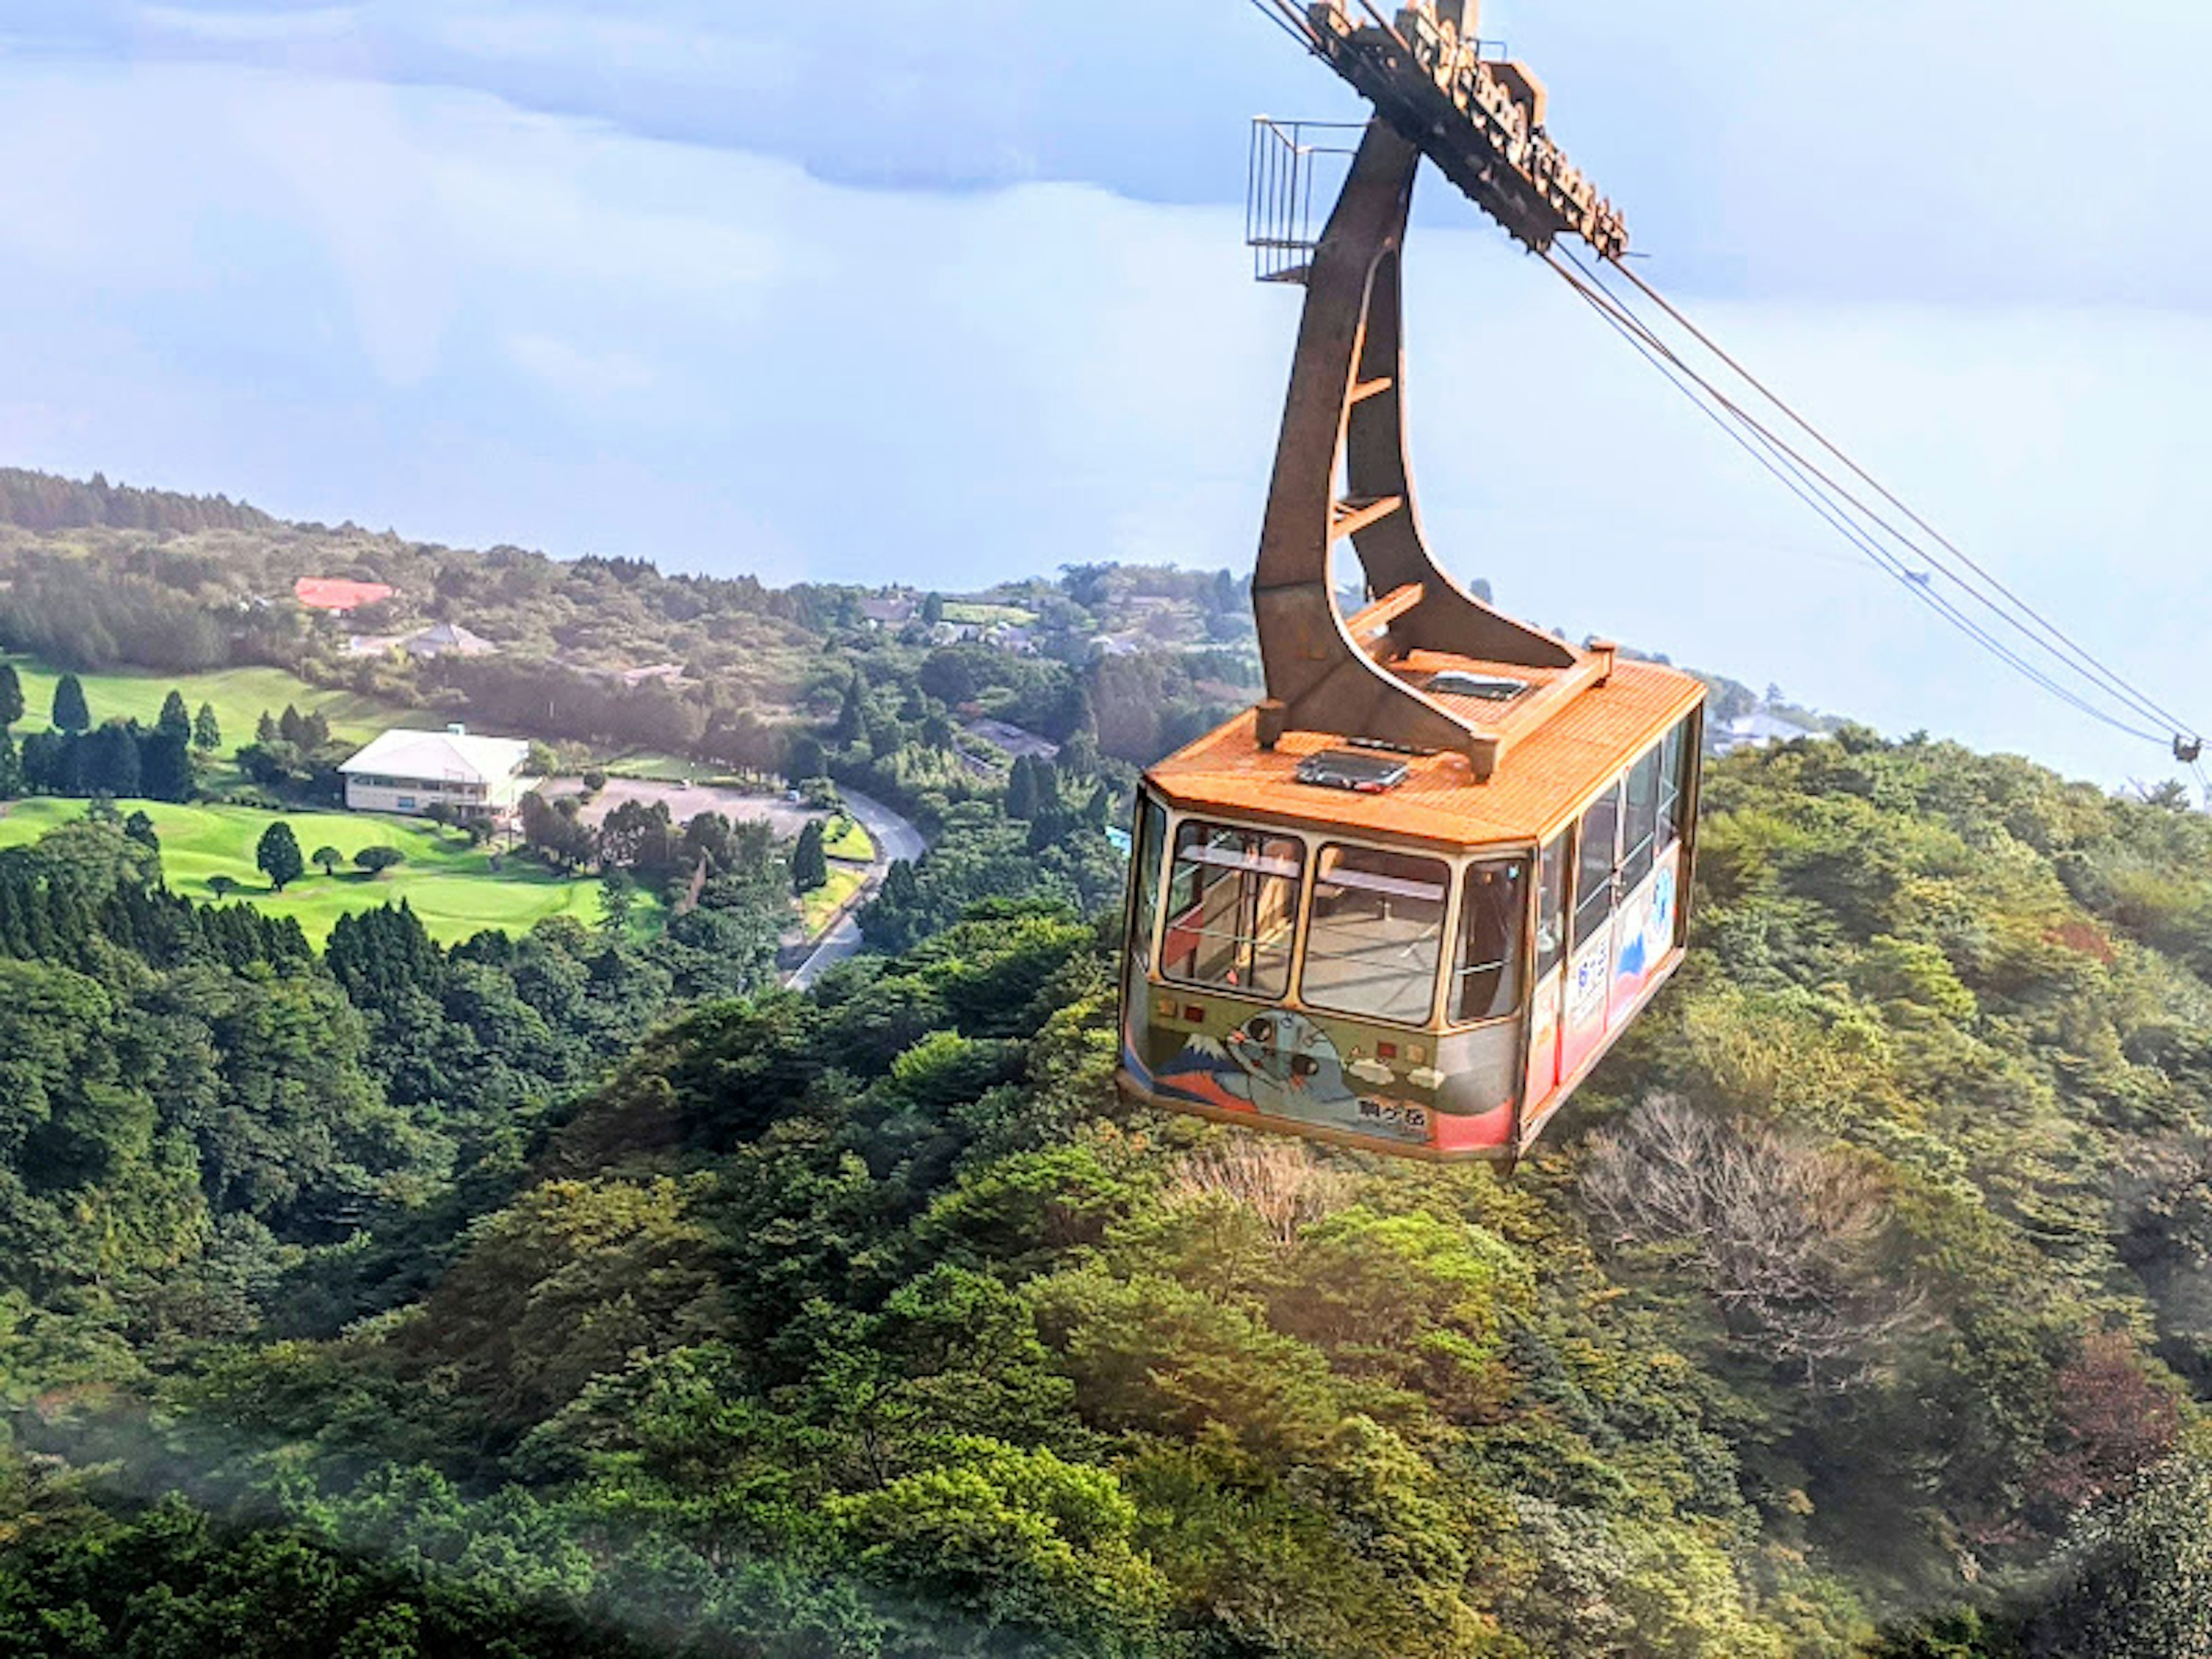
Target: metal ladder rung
x,y
1350,517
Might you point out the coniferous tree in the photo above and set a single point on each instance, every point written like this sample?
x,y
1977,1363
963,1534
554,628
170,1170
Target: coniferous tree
x,y
140,827
71,713
290,726
1023,794
264,729
278,855
174,718
207,731
809,863
11,767
11,694
315,731
108,761
851,715
165,766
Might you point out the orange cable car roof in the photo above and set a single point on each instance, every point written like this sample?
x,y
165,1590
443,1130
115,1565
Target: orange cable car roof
x,y
1543,782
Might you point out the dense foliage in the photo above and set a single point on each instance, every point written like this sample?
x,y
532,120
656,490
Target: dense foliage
x,y
580,1292
1860,1309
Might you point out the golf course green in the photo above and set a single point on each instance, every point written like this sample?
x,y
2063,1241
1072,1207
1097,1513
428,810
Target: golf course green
x,y
238,696
450,884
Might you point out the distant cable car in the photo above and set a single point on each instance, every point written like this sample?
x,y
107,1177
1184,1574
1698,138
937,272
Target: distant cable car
x,y
1412,898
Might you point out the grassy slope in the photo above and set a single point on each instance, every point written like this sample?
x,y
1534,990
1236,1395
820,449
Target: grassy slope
x,y
850,842
980,615
821,905
239,695
450,884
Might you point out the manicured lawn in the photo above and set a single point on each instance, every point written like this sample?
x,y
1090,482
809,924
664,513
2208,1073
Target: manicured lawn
x,y
979,615
449,883
818,906
644,763
238,696
845,839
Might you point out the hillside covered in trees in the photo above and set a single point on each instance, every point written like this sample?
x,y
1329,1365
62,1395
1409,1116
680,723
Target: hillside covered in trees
x,y
538,1297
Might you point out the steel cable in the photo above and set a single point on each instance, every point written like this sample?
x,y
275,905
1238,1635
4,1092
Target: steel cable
x,y
2079,658
1799,477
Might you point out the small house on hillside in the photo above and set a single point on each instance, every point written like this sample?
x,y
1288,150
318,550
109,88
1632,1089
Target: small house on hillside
x,y
410,772
446,640
892,610
1756,730
336,595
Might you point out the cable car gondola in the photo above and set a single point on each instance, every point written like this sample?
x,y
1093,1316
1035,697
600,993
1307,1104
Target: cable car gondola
x,y
1408,901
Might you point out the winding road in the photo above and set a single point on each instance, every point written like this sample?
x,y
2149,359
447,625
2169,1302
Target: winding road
x,y
896,838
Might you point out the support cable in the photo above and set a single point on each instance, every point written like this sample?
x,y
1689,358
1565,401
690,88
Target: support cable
x,y
1805,483
1285,18
2080,658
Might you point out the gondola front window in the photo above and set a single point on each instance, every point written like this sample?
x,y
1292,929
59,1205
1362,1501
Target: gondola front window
x,y
1144,890
1232,909
1487,977
1376,935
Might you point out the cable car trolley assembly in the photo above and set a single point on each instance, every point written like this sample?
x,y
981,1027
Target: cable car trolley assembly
x,y
1409,899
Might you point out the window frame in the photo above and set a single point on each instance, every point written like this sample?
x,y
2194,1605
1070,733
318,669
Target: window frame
x,y
1155,829
1558,856
1675,754
1247,953
1613,794
1640,856
1446,915
1517,980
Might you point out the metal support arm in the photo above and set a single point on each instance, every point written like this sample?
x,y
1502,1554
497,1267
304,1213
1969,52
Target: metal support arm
x,y
1345,412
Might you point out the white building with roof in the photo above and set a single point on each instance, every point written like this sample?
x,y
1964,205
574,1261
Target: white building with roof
x,y
446,639
410,772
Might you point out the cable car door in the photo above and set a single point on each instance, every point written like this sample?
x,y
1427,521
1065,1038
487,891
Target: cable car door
x,y
1589,961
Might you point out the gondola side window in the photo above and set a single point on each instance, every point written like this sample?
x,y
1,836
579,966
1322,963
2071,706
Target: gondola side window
x,y
1151,853
1232,907
1673,785
1551,907
1376,935
1487,980
1599,844
1639,830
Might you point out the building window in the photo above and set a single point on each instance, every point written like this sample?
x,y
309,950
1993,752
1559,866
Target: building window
x,y
1376,934
1232,902
406,803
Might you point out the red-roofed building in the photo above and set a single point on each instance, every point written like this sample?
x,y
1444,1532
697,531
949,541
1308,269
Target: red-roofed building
x,y
336,595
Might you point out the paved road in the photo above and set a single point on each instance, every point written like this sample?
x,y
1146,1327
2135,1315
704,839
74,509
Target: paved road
x,y
895,838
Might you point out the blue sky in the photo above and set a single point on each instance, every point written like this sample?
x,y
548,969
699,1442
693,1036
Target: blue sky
x,y
962,298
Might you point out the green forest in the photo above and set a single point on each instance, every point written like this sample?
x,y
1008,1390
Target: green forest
x,y
571,1293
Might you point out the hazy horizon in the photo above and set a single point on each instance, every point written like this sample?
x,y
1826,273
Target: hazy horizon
x,y
492,273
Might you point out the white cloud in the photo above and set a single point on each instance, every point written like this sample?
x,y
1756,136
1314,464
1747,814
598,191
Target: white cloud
x,y
631,44
422,308
593,380
254,29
